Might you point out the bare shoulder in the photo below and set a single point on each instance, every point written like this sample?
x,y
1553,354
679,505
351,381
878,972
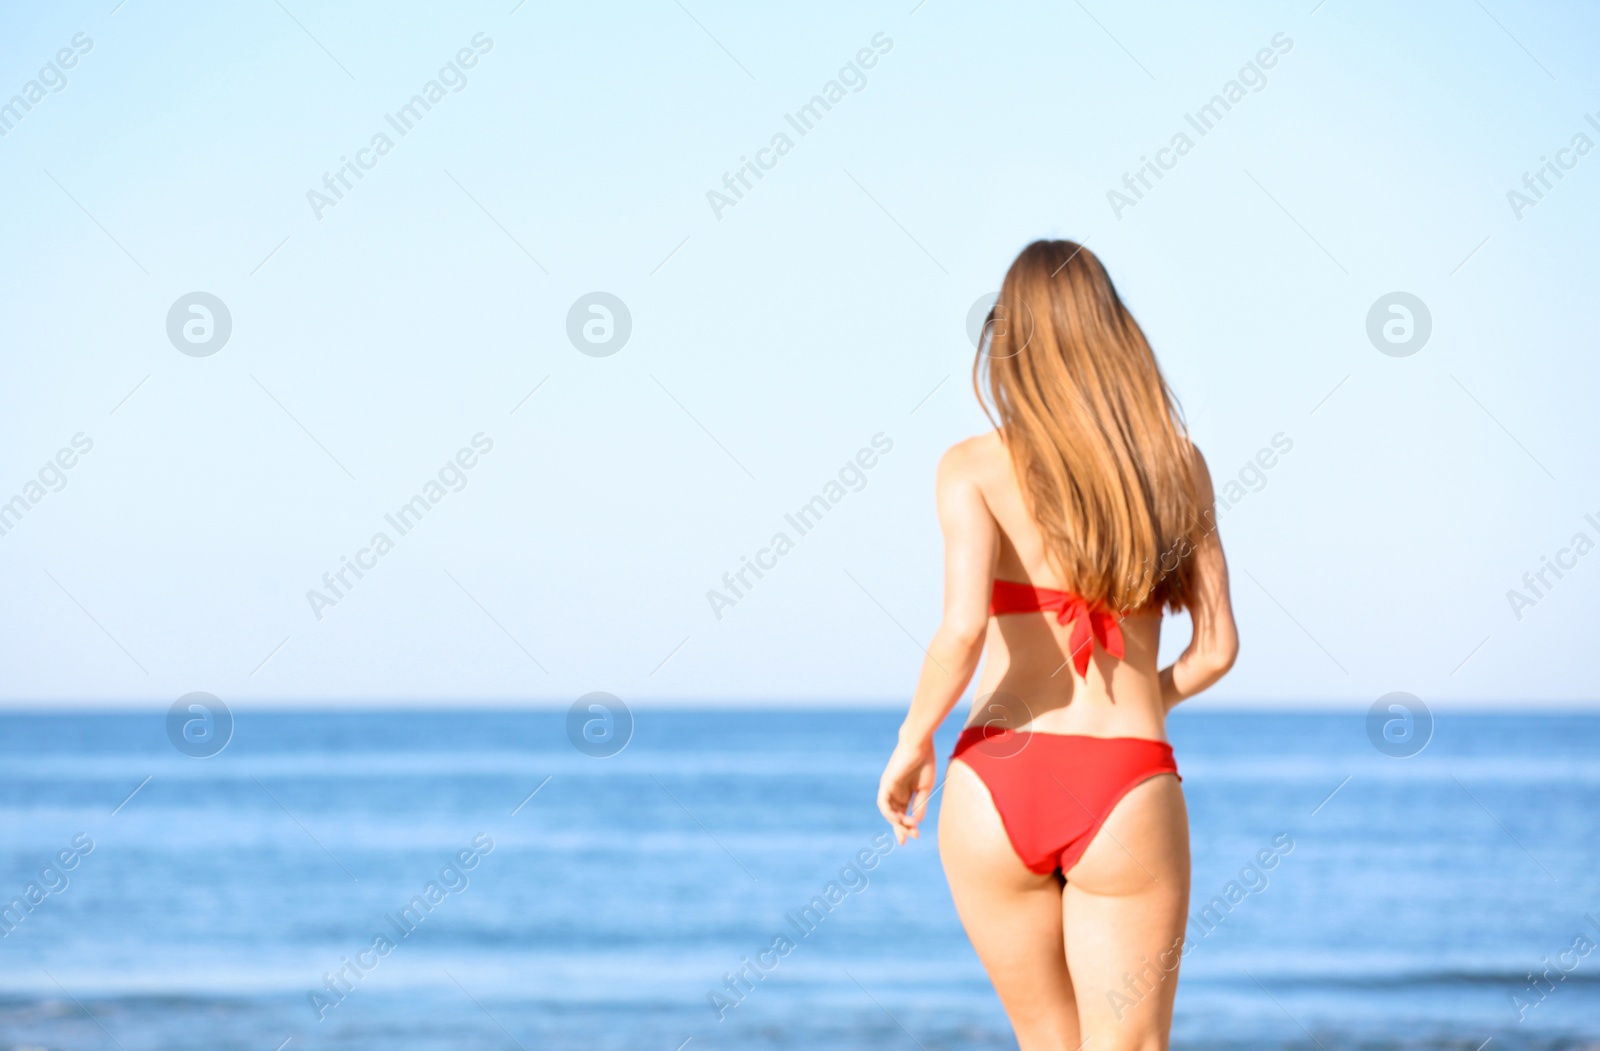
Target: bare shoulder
x,y
965,476
973,461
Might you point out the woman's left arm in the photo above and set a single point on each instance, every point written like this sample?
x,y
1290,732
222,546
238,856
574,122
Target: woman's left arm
x,y
1215,642
971,545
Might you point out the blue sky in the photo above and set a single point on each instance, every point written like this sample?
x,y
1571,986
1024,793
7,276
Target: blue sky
x,y
373,339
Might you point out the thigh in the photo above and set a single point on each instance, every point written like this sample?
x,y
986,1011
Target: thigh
x,y
1124,909
1012,915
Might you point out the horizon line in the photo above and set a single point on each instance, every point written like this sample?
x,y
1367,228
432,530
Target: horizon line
x,y
85,706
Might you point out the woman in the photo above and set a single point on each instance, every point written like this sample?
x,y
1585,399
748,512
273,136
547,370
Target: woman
x,y
1068,530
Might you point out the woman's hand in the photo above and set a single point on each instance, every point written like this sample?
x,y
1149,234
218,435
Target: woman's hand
x,y
905,787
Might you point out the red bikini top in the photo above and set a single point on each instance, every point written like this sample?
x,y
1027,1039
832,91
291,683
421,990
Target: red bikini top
x,y
1090,624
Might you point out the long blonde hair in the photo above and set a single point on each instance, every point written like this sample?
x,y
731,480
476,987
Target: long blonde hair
x,y
1094,433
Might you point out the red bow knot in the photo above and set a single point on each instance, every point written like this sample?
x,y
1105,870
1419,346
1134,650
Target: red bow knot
x,y
1090,624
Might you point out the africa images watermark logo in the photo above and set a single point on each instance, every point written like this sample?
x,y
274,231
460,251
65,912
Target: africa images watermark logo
x,y
852,75
1251,79
803,922
199,724
1539,985
453,879
451,478
1399,324
1252,880
337,183
199,324
1537,183
1536,583
51,75
52,880
852,478
599,324
51,478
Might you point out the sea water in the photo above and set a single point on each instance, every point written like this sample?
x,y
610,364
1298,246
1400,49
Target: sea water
x,y
463,880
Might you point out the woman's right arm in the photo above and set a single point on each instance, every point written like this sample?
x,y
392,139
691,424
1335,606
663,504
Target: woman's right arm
x,y
1215,640
971,545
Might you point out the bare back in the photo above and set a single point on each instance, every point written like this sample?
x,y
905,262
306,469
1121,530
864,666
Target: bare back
x,y
1027,679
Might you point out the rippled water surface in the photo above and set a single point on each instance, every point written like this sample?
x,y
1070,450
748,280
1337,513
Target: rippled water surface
x,y
210,910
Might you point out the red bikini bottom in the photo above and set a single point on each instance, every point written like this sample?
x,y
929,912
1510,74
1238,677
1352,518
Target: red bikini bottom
x,y
1054,791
